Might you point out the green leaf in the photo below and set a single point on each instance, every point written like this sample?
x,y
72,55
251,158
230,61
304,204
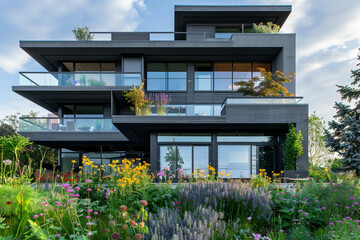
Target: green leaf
x,y
36,231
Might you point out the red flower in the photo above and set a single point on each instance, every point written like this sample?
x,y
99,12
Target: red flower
x,y
8,202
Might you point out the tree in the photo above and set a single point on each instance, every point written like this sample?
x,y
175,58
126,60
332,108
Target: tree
x,y
173,158
343,135
270,85
292,148
9,125
82,33
319,154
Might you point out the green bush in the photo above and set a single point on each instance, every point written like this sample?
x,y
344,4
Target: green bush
x,y
268,28
292,148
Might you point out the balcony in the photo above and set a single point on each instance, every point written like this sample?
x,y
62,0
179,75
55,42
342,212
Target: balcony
x,y
86,79
54,124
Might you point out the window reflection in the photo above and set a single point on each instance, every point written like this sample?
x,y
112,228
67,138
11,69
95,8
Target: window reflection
x,y
235,158
166,76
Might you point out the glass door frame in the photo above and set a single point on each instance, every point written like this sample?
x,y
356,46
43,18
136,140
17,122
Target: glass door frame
x,y
185,144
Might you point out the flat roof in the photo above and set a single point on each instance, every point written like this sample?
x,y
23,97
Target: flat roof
x,y
230,14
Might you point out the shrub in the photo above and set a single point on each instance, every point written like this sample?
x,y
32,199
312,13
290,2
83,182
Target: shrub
x,y
82,33
268,28
292,148
236,199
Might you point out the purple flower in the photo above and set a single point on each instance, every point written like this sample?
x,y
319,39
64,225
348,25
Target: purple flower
x,y
89,189
89,234
58,235
88,217
331,223
96,213
249,218
89,210
323,208
340,221
88,181
77,188
35,216
356,203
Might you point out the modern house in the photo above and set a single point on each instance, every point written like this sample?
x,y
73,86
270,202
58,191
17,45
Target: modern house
x,y
207,121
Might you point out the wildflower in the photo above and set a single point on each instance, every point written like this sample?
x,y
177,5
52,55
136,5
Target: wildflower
x,y
36,216
89,210
88,181
88,217
123,208
89,224
142,225
89,234
326,170
138,236
132,223
323,208
7,162
77,188
73,161
116,235
331,223
58,235
96,213
8,202
125,227
106,231
143,203
249,218
89,189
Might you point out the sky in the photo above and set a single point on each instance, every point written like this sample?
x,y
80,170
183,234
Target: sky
x,y
327,38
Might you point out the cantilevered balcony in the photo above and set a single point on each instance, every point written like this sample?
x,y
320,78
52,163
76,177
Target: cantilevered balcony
x,y
85,79
71,133
235,113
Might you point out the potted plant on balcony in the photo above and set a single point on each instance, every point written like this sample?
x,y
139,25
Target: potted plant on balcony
x,y
161,101
137,98
292,150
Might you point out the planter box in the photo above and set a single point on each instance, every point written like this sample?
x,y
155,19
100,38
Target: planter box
x,y
296,174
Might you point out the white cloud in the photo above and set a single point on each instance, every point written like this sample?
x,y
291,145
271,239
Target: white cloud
x,y
21,105
54,20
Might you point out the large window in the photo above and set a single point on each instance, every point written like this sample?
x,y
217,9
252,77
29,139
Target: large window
x,y
188,158
166,76
88,66
222,76
235,158
169,137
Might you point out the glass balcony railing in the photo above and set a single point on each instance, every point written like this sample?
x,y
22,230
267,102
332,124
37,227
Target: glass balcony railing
x,y
79,79
262,100
184,110
53,124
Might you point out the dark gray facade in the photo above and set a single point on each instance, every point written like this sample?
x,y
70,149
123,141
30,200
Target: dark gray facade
x,y
196,66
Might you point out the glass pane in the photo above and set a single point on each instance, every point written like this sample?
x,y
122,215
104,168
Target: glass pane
x,y
203,81
235,158
223,84
266,158
177,67
223,70
228,30
87,66
163,137
177,84
203,110
244,138
204,67
201,158
185,159
90,109
68,67
177,74
242,70
108,67
266,66
156,84
168,157
156,70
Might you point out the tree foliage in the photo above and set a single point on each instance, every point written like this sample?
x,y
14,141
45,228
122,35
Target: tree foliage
x,y
268,28
319,154
174,159
292,148
82,33
268,84
343,135
137,98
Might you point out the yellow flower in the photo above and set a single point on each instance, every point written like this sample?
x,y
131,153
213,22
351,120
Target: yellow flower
x,y
80,167
326,170
73,161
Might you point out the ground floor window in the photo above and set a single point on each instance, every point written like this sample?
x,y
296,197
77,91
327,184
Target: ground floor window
x,y
187,158
234,158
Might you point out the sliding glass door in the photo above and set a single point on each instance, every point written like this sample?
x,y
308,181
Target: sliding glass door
x,y
188,158
234,158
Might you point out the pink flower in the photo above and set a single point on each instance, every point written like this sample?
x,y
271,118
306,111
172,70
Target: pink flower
x,y
96,213
88,217
331,223
89,234
249,218
58,235
77,188
35,216
89,210
89,189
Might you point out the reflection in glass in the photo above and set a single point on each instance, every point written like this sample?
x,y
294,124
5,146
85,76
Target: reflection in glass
x,y
156,84
164,137
203,81
201,158
177,84
184,160
235,158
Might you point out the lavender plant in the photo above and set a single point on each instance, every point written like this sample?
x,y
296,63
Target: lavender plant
x,y
236,199
201,223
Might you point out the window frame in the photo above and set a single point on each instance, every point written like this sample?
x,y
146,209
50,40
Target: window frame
x,y
167,78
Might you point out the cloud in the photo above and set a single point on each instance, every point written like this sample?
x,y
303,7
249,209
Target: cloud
x,y
54,20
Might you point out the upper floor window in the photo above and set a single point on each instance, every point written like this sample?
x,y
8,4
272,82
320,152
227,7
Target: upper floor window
x,y
227,32
166,76
221,76
88,67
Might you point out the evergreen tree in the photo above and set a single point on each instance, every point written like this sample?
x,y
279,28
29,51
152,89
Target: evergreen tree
x,y
343,135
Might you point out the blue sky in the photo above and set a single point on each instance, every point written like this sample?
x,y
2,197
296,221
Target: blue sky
x,y
328,38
